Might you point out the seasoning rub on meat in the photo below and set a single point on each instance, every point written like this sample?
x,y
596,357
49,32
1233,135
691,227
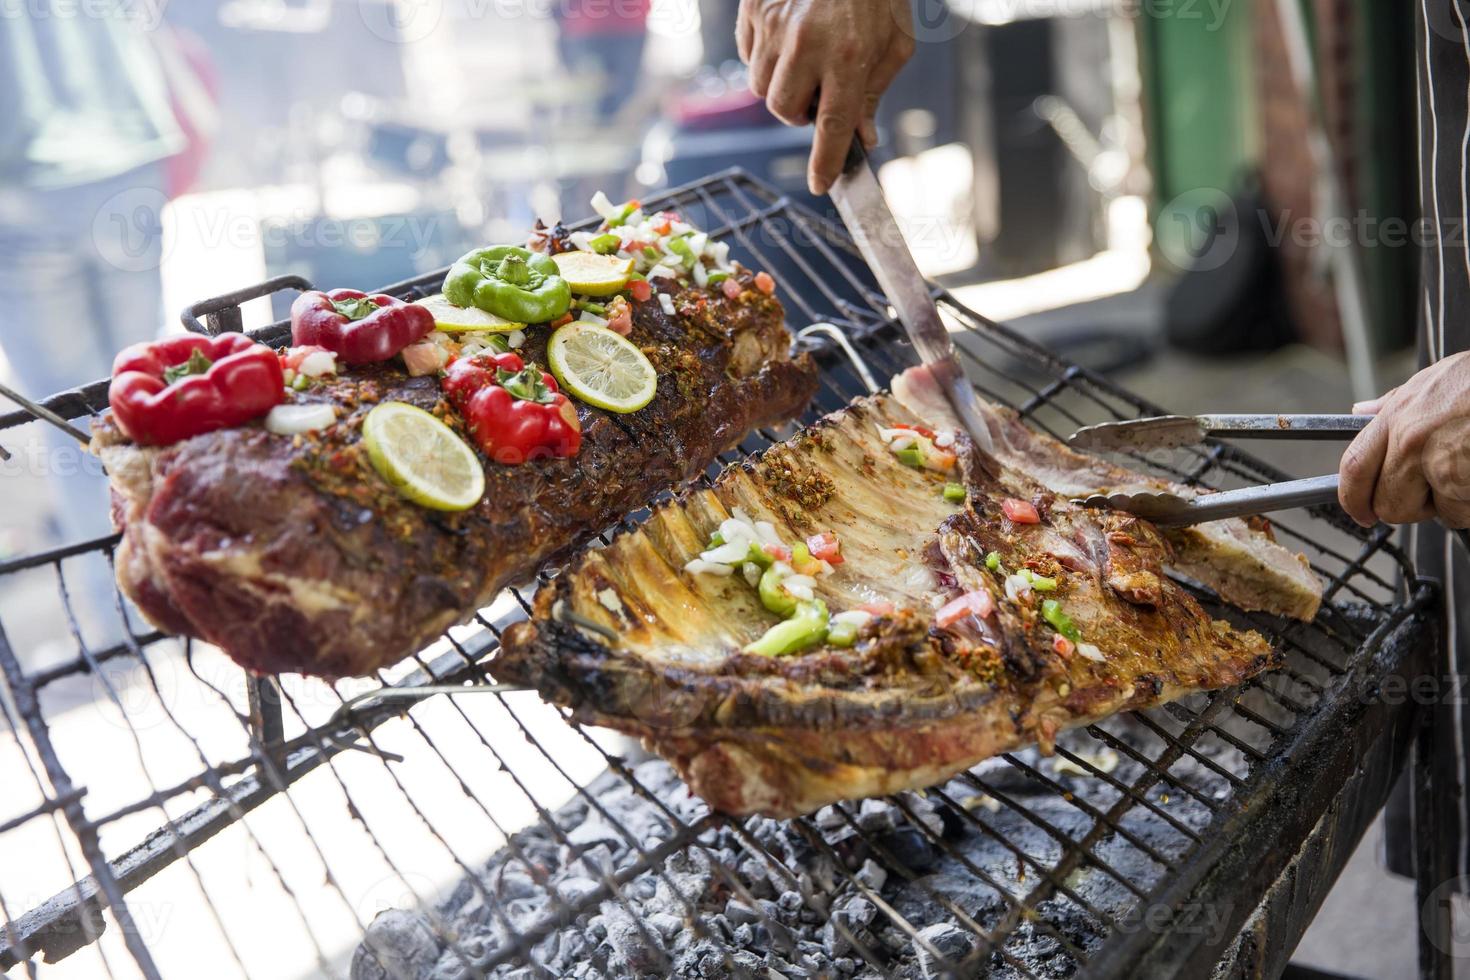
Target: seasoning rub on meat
x,y
292,553
984,623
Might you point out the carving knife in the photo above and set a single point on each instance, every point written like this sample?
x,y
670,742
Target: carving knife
x,y
859,199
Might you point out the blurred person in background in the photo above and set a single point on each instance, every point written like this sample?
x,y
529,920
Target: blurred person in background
x,y
90,139
603,39
1411,465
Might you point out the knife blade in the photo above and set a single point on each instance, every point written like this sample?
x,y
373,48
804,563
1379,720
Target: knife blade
x,y
859,199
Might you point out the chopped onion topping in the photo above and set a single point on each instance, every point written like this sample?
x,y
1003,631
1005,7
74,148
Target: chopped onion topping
x,y
667,302
854,617
516,338
766,531
944,439
902,443
729,553
610,601
662,272
1091,652
290,420
799,588
734,529
589,317
1017,586
699,566
604,207
318,363
752,573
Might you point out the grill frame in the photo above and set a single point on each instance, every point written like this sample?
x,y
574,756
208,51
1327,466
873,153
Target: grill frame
x,y
1349,740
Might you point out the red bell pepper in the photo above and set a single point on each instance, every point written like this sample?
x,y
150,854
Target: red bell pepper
x,y
172,389
361,329
514,413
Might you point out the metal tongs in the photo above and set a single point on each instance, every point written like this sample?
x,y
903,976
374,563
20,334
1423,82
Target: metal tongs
x,y
1175,431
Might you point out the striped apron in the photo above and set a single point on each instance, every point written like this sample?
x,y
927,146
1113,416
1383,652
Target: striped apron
x,y
1443,43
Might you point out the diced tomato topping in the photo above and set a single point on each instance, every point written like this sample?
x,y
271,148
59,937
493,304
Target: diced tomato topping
x,y
1019,511
777,551
562,321
1063,646
826,547
622,323
977,603
926,433
880,608
765,283
664,227
732,288
641,290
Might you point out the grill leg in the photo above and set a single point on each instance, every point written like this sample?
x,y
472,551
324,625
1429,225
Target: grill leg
x,y
1435,874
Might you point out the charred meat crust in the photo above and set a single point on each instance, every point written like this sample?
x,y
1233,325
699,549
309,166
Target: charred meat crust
x,y
292,554
910,704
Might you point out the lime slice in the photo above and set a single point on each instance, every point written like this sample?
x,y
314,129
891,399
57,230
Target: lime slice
x,y
601,368
592,274
422,457
458,319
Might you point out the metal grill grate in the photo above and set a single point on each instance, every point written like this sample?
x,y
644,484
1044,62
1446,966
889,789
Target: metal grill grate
x,y
331,802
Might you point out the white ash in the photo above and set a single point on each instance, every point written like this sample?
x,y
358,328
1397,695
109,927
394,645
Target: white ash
x,y
818,911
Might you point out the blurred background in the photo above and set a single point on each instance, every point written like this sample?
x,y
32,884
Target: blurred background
x,y
1211,200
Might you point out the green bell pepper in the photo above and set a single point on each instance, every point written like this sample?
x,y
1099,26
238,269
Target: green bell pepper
x,y
806,627
512,282
773,597
842,634
1051,611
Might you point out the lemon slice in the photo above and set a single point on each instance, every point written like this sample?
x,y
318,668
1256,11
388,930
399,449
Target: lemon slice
x,y
601,368
422,457
458,319
592,274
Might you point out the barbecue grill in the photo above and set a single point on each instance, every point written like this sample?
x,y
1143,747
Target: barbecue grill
x,y
495,838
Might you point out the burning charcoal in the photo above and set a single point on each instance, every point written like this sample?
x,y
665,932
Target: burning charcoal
x,y
744,936
951,942
910,848
636,951
747,961
396,944
878,816
666,925
844,965
829,818
872,875
512,883
739,913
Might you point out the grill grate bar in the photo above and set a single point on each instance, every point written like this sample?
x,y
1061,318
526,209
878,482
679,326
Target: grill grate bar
x,y
1004,893
1096,772
989,941
1024,859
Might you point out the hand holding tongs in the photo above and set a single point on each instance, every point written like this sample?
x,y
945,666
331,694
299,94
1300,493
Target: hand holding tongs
x,y
1174,431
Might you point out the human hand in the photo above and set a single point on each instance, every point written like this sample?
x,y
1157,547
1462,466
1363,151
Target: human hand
x,y
850,50
1412,462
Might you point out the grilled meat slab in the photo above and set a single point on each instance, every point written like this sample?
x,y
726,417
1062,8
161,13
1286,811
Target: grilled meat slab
x,y
293,554
1237,558
628,639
